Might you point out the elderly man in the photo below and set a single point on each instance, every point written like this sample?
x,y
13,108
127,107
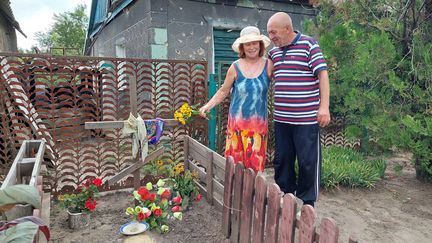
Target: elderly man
x,y
301,105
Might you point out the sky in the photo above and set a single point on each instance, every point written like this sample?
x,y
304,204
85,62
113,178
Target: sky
x,y
37,15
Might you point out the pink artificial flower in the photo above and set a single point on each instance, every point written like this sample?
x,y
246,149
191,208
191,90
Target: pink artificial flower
x,y
176,209
177,200
166,193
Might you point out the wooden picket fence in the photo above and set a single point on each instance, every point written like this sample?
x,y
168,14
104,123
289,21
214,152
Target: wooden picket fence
x,y
254,210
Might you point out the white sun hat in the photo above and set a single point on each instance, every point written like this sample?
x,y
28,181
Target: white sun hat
x,y
249,34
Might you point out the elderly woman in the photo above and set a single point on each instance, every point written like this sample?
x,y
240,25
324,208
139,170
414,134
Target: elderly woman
x,y
248,80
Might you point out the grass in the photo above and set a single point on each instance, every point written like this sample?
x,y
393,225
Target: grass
x,y
346,167
397,168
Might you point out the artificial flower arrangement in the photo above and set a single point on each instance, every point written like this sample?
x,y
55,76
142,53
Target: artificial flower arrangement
x,y
186,113
83,199
156,206
179,179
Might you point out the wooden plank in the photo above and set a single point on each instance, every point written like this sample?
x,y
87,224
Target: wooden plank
x,y
287,224
38,162
329,231
13,176
217,203
120,124
200,158
259,211
273,211
135,166
200,148
186,151
28,160
219,166
45,214
227,199
307,228
237,199
201,172
209,177
247,205
218,187
133,95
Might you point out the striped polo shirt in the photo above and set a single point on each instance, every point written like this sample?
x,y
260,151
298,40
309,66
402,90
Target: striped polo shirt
x,y
296,89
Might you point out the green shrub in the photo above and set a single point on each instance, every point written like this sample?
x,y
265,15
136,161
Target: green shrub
x,y
346,167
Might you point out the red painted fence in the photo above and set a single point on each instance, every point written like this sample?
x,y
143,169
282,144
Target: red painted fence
x,y
255,210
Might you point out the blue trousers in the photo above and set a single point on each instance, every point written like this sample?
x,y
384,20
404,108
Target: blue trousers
x,y
301,142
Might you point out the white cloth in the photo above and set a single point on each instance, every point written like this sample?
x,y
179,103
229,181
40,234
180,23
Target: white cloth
x,y
136,127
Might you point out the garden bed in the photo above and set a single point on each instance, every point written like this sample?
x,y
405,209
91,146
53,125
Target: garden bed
x,y
201,223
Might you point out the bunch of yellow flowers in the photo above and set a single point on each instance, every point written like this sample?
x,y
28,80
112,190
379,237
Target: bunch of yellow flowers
x,y
185,113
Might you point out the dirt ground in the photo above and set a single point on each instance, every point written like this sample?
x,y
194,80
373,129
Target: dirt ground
x,y
398,209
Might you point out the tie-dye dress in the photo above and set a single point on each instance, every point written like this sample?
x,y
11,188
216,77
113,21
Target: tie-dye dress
x,y
246,139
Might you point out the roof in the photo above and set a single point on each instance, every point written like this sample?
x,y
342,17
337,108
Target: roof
x,y
6,11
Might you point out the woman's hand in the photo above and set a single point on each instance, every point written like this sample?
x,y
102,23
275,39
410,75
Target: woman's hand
x,y
204,110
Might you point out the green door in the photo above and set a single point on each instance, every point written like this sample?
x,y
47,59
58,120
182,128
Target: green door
x,y
223,57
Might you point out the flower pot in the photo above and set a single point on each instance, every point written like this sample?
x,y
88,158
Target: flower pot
x,y
78,220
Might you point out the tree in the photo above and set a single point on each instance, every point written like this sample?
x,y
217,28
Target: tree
x,y
379,56
68,30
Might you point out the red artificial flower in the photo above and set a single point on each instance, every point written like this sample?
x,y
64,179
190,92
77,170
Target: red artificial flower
x,y
142,191
198,198
97,182
152,197
157,212
177,200
166,193
90,204
176,209
141,216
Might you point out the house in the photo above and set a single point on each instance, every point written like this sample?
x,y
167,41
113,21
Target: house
x,y
8,24
181,29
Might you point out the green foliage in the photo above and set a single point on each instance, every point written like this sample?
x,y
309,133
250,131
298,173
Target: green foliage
x,y
82,200
379,61
345,167
68,30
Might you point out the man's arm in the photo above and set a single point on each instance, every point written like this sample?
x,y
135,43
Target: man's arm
x,y
323,115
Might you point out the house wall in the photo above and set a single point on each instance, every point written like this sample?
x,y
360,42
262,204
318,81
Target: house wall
x,y
8,39
183,29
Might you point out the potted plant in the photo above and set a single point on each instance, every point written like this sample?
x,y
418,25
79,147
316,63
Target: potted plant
x,y
81,203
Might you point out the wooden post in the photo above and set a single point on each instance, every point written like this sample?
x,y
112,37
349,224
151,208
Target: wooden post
x,y
247,205
273,208
237,199
209,178
287,224
259,211
186,151
329,231
227,200
134,111
307,227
